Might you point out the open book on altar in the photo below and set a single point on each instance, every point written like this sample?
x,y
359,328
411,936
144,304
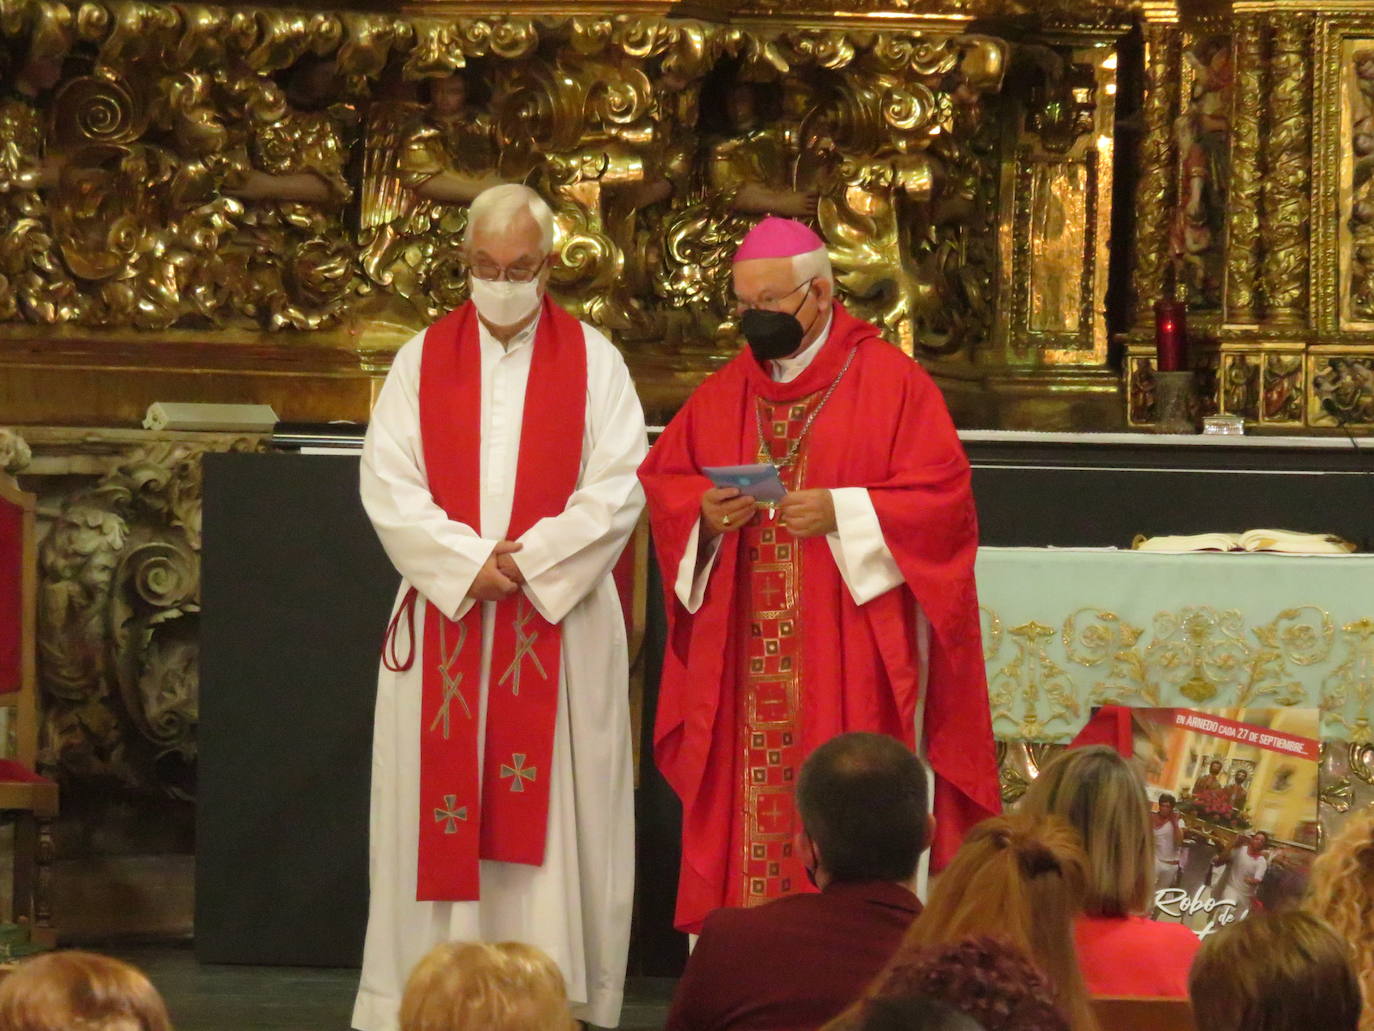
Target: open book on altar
x,y
1282,541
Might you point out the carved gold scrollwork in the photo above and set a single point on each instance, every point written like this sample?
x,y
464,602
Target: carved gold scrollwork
x,y
1243,225
1156,191
119,604
1288,162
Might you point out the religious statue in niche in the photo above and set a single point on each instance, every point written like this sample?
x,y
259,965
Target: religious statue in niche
x,y
1283,394
1203,136
1361,222
34,284
423,165
1242,386
297,262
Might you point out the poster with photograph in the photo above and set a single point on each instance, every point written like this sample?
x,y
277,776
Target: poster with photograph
x,y
1233,796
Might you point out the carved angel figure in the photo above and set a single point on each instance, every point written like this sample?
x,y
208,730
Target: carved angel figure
x,y
77,561
423,166
299,269
748,170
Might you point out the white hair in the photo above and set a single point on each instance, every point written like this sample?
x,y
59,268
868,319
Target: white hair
x,y
498,208
813,265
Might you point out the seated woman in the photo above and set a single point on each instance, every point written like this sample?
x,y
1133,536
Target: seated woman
x,y
495,987
63,991
1281,972
1120,951
1017,879
1341,892
987,981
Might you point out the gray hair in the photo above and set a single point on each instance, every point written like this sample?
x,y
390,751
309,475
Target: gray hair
x,y
814,265
499,206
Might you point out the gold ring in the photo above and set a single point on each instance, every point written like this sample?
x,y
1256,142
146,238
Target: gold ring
x,y
725,520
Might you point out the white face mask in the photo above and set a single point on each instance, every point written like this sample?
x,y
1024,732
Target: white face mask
x,y
503,303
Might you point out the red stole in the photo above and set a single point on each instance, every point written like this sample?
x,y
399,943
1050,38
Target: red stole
x,y
500,812
886,429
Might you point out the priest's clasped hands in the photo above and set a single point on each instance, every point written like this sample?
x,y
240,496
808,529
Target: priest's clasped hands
x,y
499,576
802,513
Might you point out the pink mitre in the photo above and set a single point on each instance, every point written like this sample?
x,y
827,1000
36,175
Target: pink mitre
x,y
778,238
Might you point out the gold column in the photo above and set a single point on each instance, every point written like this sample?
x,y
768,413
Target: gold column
x,y
1286,203
1153,276
1243,198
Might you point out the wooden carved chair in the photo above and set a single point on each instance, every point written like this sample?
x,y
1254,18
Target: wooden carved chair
x,y
29,799
1129,1014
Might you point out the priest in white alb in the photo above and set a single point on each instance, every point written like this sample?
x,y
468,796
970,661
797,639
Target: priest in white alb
x,y
499,473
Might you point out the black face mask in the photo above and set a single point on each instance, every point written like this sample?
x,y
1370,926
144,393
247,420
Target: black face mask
x,y
773,334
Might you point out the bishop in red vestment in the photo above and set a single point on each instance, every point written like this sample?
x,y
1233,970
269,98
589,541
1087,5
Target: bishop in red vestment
x,y
849,606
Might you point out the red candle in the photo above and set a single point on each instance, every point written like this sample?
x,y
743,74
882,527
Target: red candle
x,y
1171,336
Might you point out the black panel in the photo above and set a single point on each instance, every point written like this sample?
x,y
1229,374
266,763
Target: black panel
x,y
296,592
1038,495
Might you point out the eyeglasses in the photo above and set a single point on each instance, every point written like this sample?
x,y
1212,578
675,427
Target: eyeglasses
x,y
774,303
512,274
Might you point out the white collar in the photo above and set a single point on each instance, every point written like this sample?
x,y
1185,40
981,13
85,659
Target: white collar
x,y
785,370
521,339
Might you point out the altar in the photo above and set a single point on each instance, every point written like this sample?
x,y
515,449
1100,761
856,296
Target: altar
x,y
1067,629
1064,629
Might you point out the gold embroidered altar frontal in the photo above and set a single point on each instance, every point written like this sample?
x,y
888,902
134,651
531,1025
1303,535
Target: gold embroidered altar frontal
x,y
1064,630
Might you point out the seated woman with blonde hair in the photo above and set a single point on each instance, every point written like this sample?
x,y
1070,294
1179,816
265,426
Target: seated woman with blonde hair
x,y
1341,892
1280,972
478,986
1120,951
1015,879
64,991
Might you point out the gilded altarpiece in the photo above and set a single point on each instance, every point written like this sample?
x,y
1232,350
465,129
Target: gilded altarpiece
x,y
1270,231
213,203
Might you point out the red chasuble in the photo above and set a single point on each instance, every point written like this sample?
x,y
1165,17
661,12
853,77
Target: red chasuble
x,y
499,811
779,658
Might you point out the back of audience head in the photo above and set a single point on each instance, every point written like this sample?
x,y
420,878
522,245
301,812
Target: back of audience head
x,y
1022,879
1341,892
862,801
1280,972
461,986
1103,798
987,979
914,1013
70,990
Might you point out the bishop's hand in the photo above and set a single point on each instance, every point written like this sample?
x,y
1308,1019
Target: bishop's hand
x,y
725,509
490,583
807,513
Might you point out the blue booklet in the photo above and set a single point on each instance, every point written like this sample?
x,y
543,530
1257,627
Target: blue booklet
x,y
758,481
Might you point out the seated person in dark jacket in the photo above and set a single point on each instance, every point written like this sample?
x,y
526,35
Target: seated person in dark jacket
x,y
798,961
